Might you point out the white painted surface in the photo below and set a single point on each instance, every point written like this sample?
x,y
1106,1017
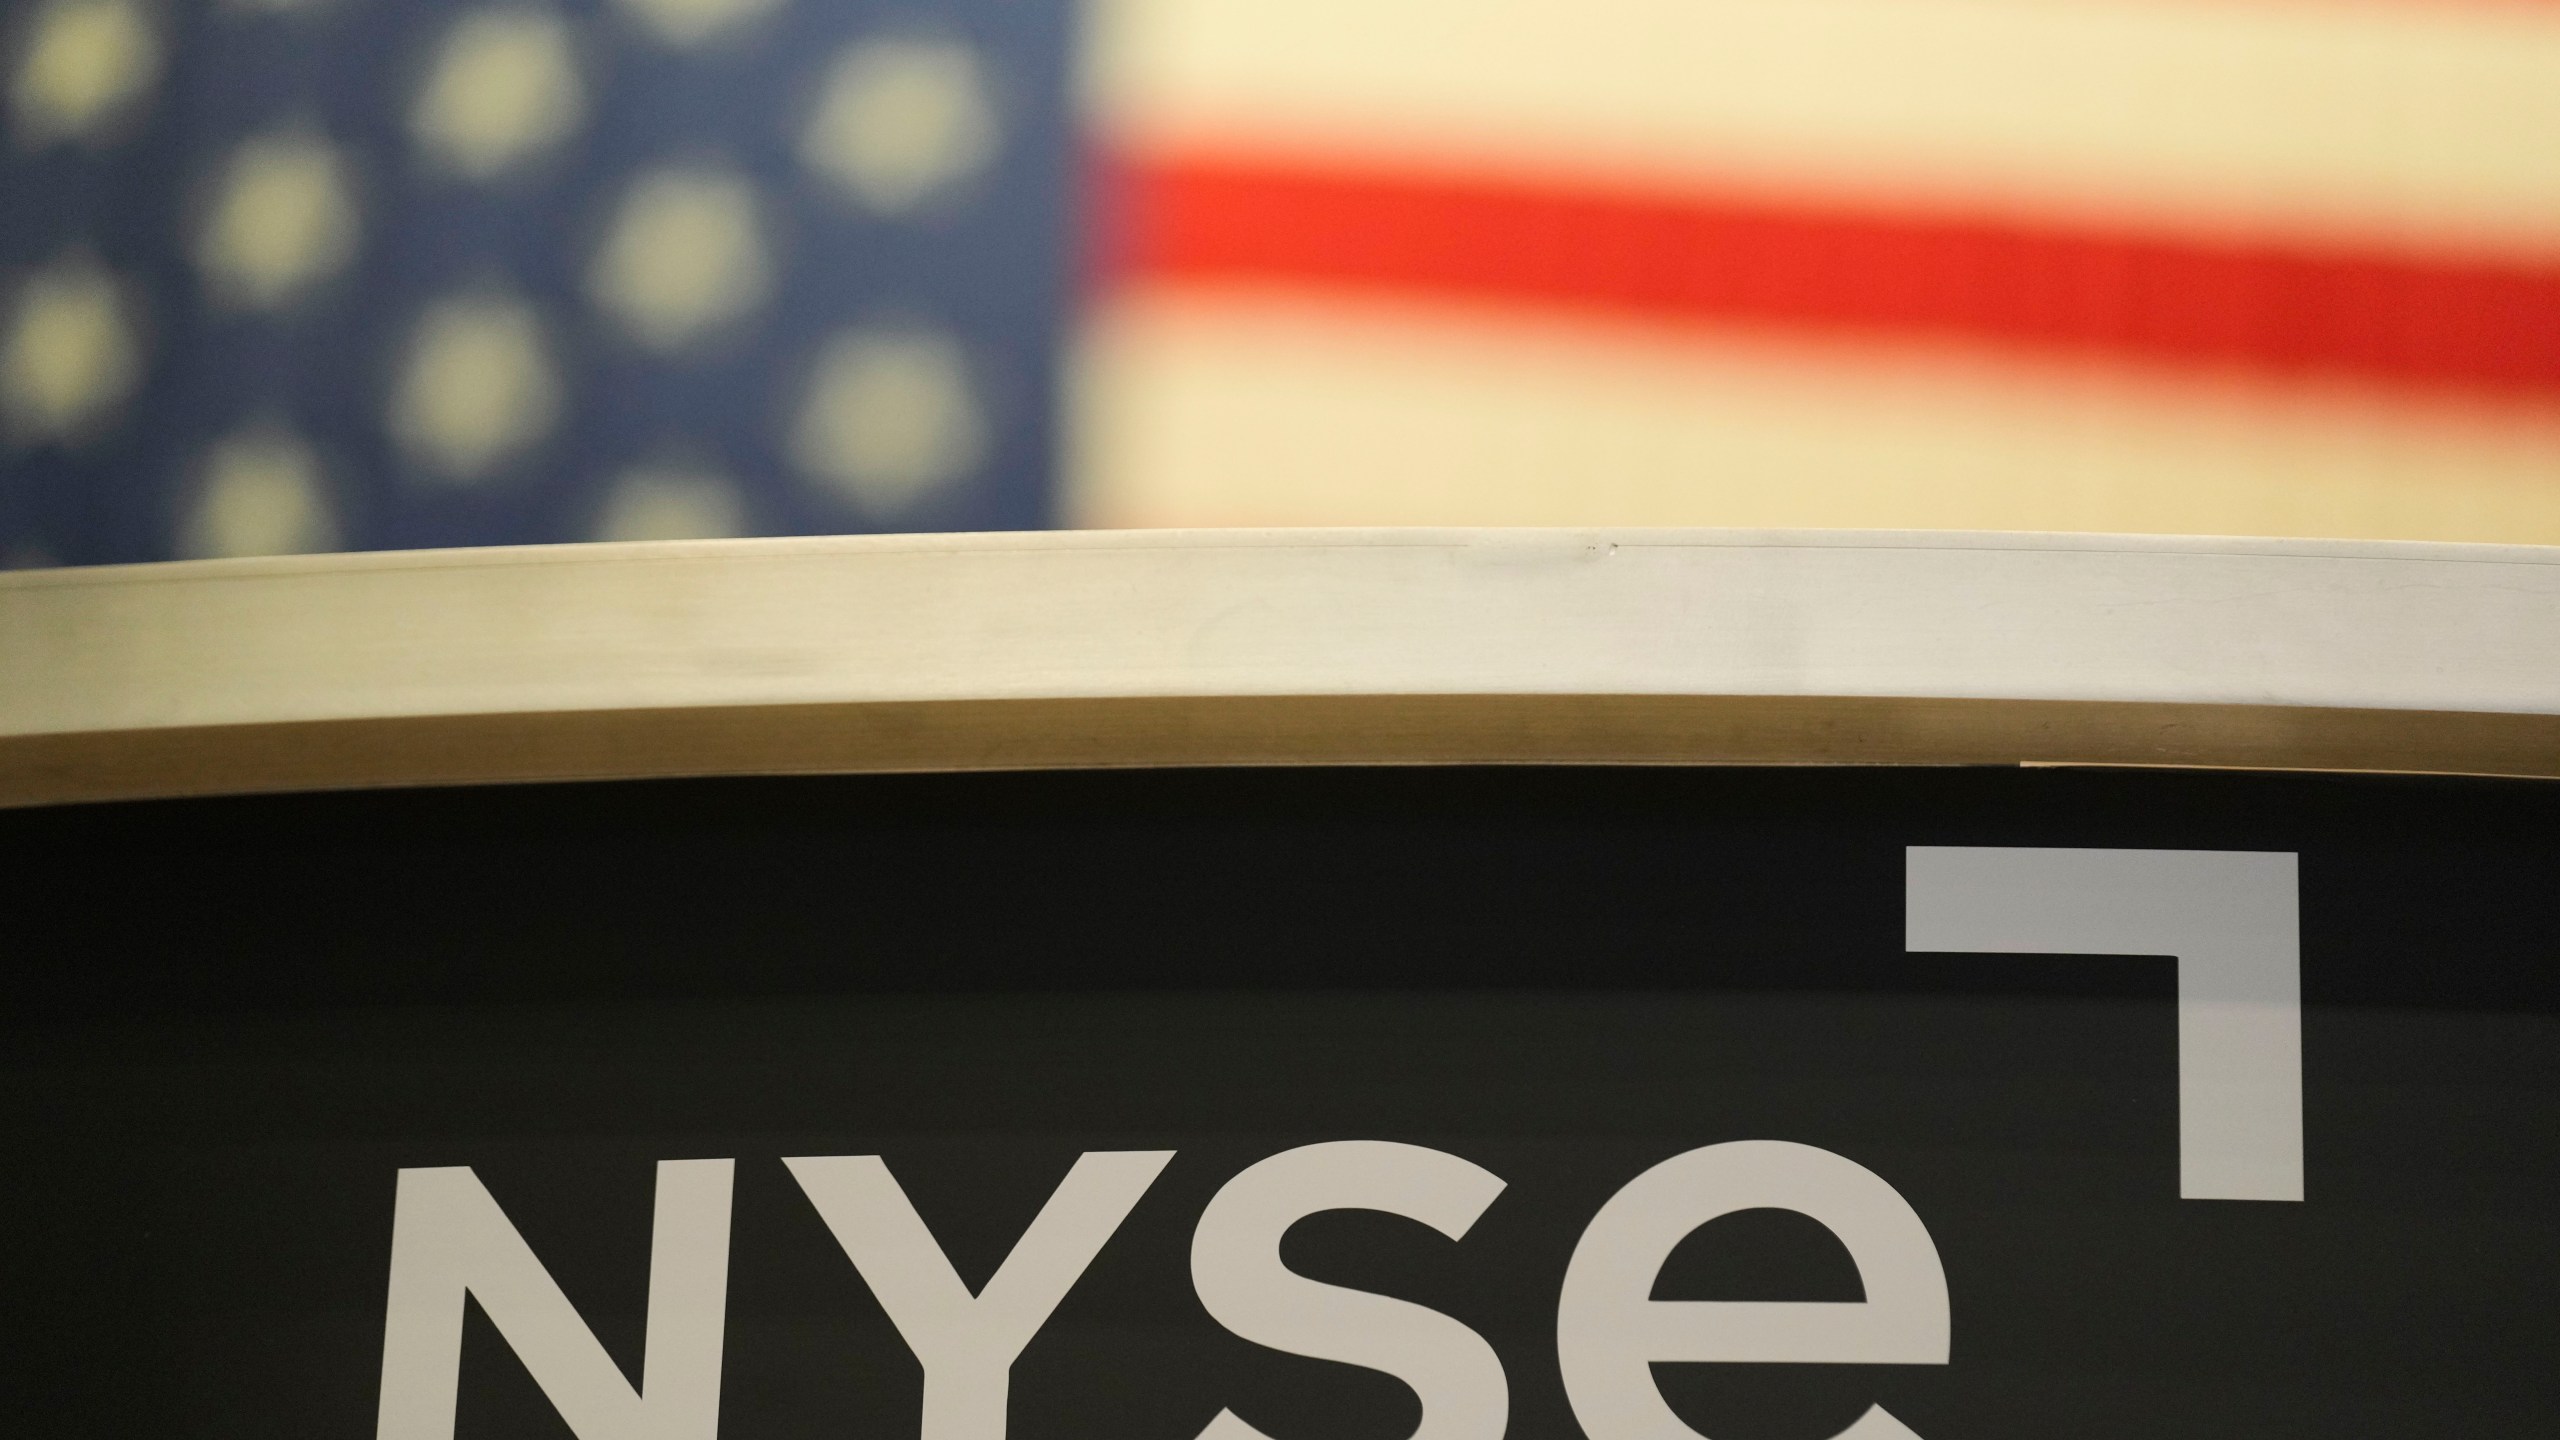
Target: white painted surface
x,y
1100,614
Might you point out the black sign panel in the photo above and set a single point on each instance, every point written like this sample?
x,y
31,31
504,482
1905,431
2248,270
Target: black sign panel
x,y
1315,1105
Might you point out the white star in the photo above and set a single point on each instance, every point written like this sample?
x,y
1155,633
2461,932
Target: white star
x,y
85,61
889,417
683,256
261,493
901,122
281,221
504,88
70,353
690,22
671,502
477,388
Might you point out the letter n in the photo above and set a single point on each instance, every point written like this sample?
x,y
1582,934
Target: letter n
x,y
449,1239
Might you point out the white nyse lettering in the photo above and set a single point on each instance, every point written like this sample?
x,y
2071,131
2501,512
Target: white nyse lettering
x,y
449,1238
2233,920
1235,1265
1610,1331
967,1343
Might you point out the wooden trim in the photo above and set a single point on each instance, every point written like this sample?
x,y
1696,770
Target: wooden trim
x,y
925,653
1029,734
877,620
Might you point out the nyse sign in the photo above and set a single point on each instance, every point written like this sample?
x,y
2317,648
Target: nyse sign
x,y
2228,918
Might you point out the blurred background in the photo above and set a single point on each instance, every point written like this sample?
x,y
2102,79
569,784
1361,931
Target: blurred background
x,y
291,275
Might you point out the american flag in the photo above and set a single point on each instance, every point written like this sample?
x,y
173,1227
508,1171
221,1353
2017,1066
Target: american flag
x,y
305,274
298,274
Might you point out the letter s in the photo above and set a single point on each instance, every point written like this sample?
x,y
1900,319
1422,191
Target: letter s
x,y
1235,1265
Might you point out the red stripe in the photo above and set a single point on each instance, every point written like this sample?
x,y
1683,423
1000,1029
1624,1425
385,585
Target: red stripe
x,y
2480,327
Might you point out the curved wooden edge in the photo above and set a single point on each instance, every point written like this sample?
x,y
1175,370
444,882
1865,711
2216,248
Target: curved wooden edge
x,y
961,735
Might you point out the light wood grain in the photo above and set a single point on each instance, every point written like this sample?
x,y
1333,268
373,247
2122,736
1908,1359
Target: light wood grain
x,y
1017,651
954,735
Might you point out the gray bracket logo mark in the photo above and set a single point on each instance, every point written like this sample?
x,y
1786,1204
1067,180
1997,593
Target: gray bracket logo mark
x,y
2233,920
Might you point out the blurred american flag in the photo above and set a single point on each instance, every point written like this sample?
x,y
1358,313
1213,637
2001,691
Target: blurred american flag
x,y
292,274
299,274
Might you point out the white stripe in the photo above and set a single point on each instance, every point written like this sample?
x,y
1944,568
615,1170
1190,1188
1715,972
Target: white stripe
x,y
2432,122
1196,410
